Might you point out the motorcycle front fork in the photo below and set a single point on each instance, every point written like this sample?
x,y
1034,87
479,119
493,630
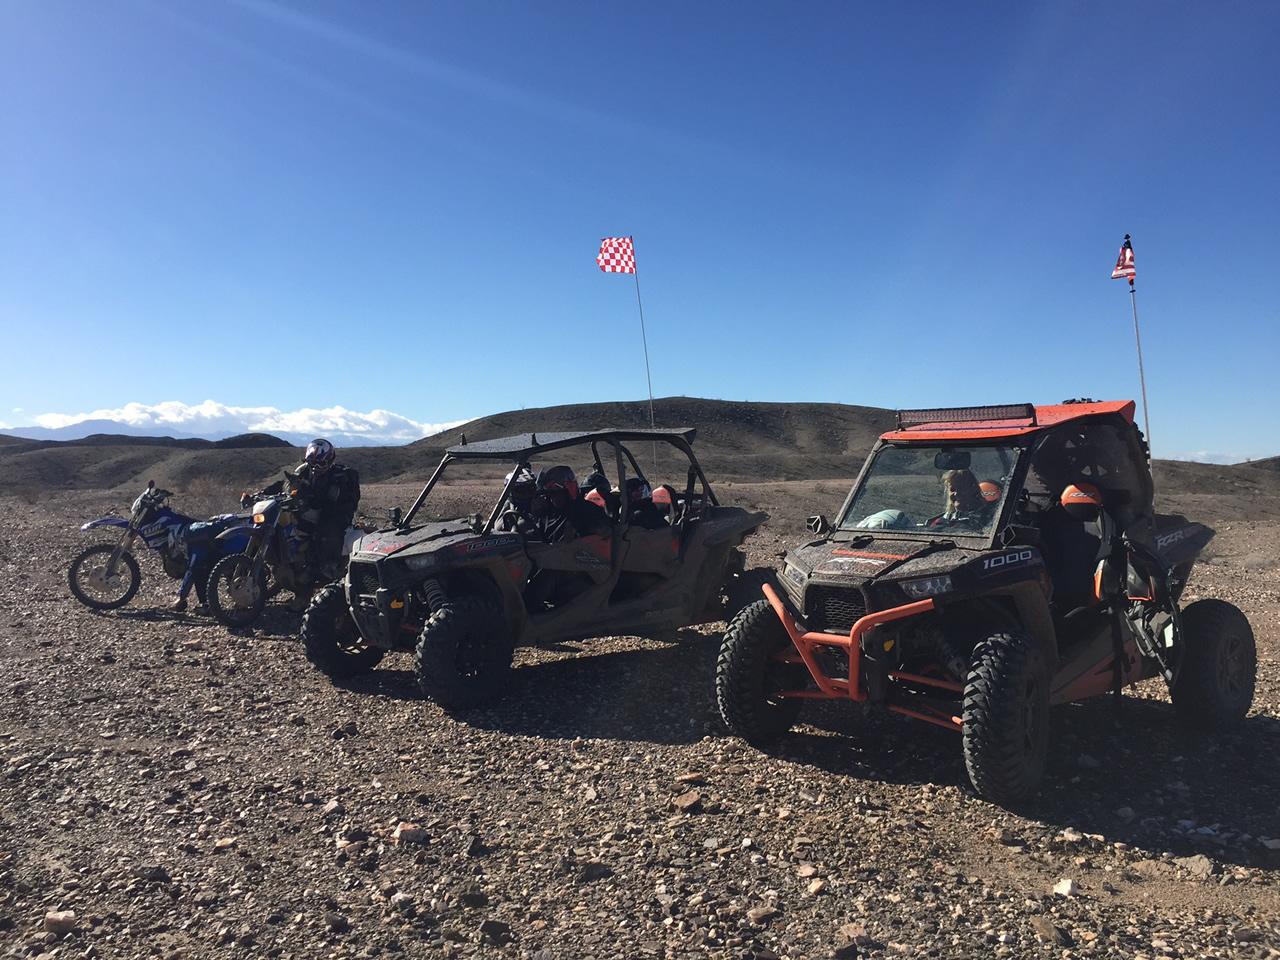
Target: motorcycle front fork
x,y
123,546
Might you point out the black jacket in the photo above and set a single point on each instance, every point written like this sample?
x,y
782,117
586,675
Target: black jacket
x,y
580,518
334,493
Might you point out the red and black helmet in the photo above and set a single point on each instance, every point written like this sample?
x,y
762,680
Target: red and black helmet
x,y
320,454
558,478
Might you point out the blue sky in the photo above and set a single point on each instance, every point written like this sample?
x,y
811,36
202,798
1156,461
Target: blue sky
x,y
396,207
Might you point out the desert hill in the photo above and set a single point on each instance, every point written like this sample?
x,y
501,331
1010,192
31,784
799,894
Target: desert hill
x,y
736,441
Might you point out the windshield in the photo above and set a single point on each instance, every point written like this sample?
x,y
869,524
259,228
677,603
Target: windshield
x,y
942,491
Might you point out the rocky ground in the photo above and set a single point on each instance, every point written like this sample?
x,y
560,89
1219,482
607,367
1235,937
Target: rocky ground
x,y
169,788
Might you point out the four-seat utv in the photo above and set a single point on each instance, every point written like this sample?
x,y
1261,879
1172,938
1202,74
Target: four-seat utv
x,y
989,563
461,594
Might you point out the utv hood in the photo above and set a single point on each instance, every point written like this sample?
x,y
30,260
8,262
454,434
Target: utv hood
x,y
864,558
426,538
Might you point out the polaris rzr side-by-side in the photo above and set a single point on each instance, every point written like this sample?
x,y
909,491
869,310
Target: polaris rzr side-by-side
x,y
989,563
461,594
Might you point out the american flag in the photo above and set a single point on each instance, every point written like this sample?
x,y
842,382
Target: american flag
x,y
1124,265
617,255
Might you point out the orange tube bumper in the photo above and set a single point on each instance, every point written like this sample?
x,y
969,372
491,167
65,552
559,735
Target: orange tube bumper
x,y
806,644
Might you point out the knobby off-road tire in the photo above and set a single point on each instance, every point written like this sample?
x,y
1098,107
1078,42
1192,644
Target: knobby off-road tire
x,y
1217,668
749,679
107,594
1006,718
234,598
331,638
463,657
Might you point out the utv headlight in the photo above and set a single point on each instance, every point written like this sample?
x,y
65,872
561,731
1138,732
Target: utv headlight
x,y
420,561
793,573
923,589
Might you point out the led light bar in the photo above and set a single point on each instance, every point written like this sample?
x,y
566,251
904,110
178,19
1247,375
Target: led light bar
x,y
1010,411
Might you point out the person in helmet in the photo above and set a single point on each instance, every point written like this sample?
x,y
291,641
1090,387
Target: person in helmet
x,y
329,493
522,487
641,510
567,515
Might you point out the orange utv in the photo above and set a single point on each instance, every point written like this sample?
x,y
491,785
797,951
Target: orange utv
x,y
988,564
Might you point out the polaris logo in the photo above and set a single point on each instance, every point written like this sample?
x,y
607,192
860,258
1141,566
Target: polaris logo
x,y
486,544
1008,560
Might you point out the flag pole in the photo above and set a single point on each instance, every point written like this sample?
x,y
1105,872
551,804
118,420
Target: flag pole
x,y
1125,270
618,255
1142,380
645,340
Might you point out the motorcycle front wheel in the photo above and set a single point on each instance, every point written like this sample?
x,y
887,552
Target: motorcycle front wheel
x,y
236,596
95,587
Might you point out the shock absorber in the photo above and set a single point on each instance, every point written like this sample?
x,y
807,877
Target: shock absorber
x,y
434,594
949,655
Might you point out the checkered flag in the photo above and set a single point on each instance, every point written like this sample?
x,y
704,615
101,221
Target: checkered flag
x,y
617,255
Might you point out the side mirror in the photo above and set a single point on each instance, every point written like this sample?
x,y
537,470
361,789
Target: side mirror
x,y
819,525
395,515
245,499
951,460
1018,534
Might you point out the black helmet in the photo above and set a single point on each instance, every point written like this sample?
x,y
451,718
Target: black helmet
x,y
638,490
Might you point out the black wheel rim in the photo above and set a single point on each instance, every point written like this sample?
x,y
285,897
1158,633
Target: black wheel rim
x,y
1232,669
346,637
470,656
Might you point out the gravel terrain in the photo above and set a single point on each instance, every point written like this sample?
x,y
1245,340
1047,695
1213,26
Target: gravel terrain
x,y
169,788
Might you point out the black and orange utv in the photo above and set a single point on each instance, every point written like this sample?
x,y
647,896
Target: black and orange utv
x,y
461,594
989,563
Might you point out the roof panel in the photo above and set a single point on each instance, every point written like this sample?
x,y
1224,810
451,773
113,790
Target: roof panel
x,y
526,444
1046,417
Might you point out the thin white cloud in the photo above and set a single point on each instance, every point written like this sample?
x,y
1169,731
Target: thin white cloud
x,y
210,418
1208,456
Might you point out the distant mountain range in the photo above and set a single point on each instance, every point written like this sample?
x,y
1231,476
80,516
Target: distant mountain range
x,y
116,428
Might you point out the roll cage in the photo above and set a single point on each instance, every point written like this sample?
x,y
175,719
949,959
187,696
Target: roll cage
x,y
520,449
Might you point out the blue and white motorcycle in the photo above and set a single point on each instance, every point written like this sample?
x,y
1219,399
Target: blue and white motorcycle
x,y
107,575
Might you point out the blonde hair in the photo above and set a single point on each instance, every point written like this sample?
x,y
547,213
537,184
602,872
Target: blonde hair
x,y
961,491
